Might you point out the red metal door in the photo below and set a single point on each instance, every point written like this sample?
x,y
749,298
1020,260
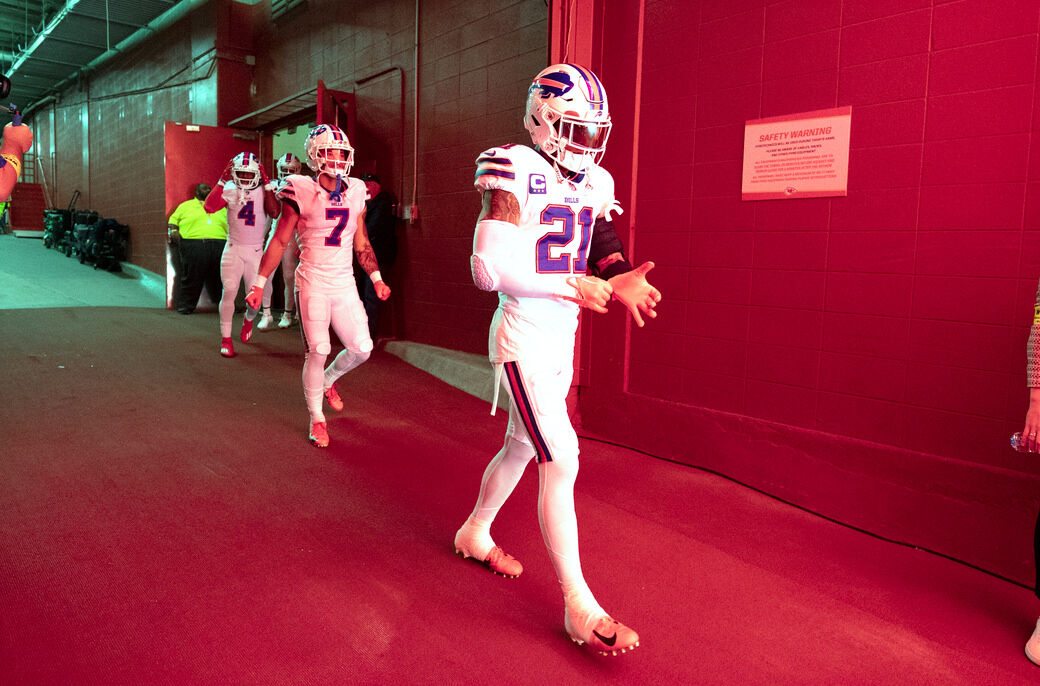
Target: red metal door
x,y
196,154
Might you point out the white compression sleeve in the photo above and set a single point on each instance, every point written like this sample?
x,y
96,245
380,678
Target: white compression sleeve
x,y
497,262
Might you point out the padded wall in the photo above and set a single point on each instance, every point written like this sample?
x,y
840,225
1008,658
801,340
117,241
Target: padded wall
x,y
874,342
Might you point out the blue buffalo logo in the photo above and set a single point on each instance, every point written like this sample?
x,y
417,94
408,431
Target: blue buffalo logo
x,y
554,84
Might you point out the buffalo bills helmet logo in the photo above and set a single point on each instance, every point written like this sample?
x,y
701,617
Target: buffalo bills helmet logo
x,y
553,84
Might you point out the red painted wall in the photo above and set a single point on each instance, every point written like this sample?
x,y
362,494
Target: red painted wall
x,y
845,353
104,137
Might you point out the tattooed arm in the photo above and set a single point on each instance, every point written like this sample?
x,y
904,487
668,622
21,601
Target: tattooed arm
x,y
500,205
367,258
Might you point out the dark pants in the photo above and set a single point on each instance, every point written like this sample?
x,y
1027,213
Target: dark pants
x,y
367,291
200,266
1036,553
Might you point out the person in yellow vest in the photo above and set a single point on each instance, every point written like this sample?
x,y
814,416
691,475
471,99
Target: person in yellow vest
x,y
198,237
17,141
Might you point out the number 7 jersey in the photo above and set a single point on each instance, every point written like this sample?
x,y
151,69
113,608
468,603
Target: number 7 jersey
x,y
326,229
555,225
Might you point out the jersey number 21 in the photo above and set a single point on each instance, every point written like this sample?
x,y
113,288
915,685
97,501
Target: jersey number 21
x,y
563,263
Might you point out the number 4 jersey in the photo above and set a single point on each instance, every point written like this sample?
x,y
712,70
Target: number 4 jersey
x,y
246,219
556,220
326,229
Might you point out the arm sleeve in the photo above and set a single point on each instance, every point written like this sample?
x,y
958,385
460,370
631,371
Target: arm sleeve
x,y
495,265
1033,348
605,242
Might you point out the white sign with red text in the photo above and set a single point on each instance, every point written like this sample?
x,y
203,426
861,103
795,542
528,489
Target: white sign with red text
x,y
804,155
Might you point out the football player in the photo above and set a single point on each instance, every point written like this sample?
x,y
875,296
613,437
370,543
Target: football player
x,y
545,223
17,140
249,196
328,215
287,164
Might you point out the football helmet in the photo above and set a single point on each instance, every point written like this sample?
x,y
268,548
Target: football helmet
x,y
288,164
320,142
567,116
245,171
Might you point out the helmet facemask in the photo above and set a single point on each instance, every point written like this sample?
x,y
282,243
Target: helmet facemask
x,y
334,167
323,139
573,142
245,171
567,116
288,164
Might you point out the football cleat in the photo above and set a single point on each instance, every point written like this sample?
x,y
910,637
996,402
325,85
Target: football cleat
x,y
247,330
266,322
227,348
335,402
498,561
287,320
1033,645
605,635
319,435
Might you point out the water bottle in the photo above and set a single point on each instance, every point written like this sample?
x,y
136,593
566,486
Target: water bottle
x,y
1018,442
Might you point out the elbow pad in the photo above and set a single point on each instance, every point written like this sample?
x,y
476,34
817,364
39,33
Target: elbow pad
x,y
497,262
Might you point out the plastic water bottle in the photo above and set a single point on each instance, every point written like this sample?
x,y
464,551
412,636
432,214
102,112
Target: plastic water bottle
x,y
1018,442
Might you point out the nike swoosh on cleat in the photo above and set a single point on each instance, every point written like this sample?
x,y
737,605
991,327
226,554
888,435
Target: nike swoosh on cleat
x,y
607,641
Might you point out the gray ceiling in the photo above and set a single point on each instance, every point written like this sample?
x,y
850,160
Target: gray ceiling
x,y
74,34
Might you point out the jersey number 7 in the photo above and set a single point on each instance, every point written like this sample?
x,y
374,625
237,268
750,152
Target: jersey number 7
x,y
341,215
563,263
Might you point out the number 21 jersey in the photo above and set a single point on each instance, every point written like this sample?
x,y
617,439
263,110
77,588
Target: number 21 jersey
x,y
556,219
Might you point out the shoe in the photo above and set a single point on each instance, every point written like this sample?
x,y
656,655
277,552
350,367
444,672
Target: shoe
x,y
498,561
247,330
335,402
319,435
1033,645
287,320
227,348
266,322
606,635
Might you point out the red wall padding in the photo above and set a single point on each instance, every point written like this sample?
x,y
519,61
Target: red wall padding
x,y
901,307
861,356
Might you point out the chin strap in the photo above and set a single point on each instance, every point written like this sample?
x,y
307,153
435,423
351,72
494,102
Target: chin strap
x,y
337,195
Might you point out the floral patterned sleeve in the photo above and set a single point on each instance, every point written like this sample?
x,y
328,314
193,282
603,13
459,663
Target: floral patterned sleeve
x,y
1033,347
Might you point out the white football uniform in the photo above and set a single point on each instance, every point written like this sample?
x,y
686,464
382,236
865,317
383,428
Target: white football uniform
x,y
244,248
290,260
556,220
326,294
532,341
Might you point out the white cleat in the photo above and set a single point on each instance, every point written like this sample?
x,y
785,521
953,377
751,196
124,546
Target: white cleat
x,y
607,636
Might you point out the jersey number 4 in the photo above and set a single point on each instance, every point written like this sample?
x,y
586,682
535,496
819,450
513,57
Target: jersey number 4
x,y
340,215
246,214
564,263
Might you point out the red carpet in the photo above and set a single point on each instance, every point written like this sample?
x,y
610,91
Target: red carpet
x,y
163,520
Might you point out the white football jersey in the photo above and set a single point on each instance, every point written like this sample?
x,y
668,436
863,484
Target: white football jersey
x,y
247,221
556,220
326,229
